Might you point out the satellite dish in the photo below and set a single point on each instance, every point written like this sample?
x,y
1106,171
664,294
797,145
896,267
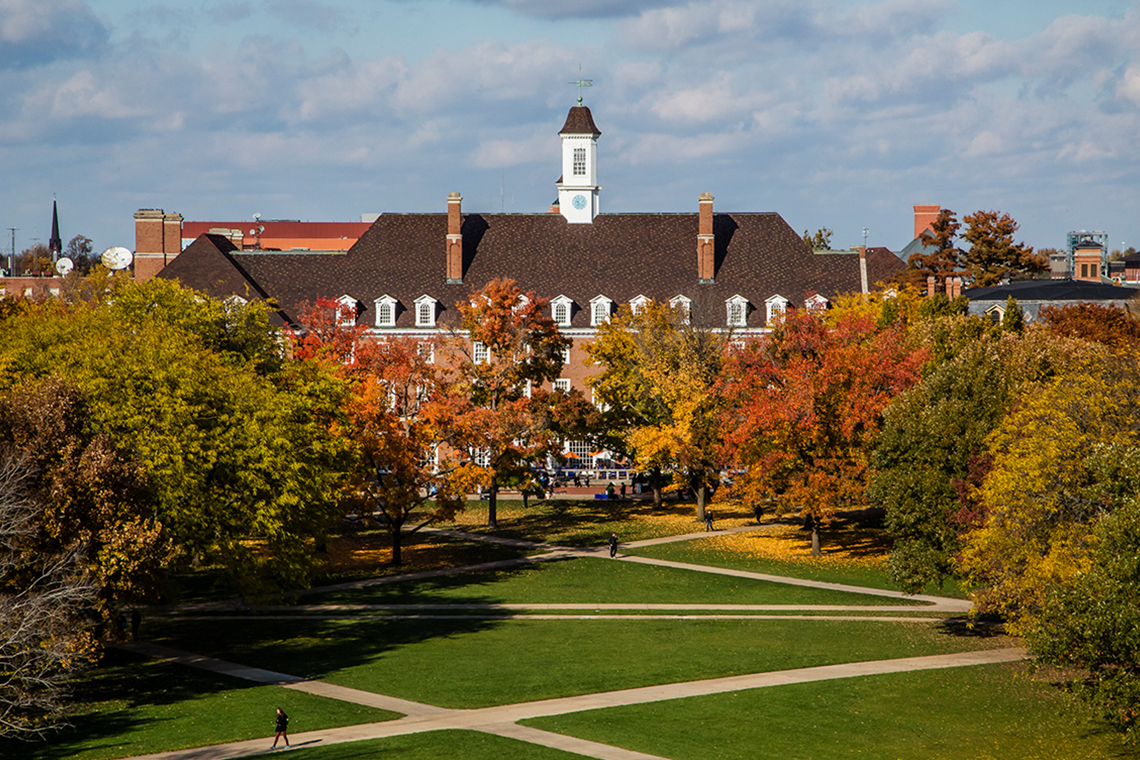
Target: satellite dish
x,y
117,258
63,266
256,217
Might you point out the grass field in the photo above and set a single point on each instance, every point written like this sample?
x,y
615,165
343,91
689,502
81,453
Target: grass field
x,y
472,657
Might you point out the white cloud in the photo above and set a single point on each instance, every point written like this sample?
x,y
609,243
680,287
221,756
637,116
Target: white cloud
x,y
35,32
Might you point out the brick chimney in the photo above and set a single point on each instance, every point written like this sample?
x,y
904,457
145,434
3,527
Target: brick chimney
x,y
158,240
706,246
924,216
454,240
931,284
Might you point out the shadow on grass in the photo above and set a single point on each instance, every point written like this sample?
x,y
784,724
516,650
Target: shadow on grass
x,y
974,628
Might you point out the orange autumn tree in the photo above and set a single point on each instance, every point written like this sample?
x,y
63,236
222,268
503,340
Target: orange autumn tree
x,y
508,349
805,407
398,418
402,419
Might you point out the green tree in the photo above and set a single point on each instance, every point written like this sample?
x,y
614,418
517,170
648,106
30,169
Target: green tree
x,y
236,447
1093,623
993,256
659,387
1013,320
820,241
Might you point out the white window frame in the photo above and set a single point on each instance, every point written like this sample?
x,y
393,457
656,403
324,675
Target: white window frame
x,y
579,162
816,304
480,353
385,301
352,304
425,349
736,311
775,307
564,304
685,304
637,303
566,356
426,311
562,385
600,306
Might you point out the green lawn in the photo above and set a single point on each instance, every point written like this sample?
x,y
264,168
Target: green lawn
x,y
703,551
594,580
456,745
992,712
476,663
131,706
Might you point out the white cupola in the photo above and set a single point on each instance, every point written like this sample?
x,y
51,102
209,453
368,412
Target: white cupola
x,y
578,188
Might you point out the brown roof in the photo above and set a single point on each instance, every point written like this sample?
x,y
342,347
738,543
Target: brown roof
x,y
579,122
620,256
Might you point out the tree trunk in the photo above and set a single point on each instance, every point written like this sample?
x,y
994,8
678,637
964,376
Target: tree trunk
x,y
815,536
656,485
397,542
702,497
492,498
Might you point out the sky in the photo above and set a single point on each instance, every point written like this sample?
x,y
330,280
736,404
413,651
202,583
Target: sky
x,y
833,113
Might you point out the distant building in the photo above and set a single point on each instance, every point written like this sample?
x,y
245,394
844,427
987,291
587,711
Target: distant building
x,y
733,271
1032,295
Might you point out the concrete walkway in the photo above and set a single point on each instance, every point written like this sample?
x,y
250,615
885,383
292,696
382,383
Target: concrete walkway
x,y
503,720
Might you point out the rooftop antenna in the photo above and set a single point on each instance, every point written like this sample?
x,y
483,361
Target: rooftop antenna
x,y
864,237
581,83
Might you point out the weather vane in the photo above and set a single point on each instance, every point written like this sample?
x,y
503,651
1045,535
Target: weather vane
x,y
582,83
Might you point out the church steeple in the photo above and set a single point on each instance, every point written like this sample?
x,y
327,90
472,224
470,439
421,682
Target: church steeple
x,y
578,188
55,245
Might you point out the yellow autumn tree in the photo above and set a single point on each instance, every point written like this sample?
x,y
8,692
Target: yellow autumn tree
x,y
1045,493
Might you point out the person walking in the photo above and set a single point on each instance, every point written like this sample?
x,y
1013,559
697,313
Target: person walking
x,y
282,728
708,520
623,490
613,544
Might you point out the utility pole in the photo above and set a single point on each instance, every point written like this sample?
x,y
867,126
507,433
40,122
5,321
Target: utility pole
x,y
12,255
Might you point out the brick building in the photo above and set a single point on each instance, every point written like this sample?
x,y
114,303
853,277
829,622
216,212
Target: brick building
x,y
404,276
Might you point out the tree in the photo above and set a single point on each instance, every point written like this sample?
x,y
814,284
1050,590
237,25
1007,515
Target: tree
x,y
659,385
945,260
509,348
1047,488
1013,320
94,499
79,250
1109,325
44,600
820,241
35,261
993,256
236,447
1093,623
401,418
805,410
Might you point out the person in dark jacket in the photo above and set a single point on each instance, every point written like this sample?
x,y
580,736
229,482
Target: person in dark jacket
x,y
613,544
282,728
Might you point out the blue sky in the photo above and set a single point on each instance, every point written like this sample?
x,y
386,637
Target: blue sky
x,y
837,113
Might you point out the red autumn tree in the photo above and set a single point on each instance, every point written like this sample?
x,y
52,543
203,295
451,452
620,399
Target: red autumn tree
x,y
941,257
805,408
1109,325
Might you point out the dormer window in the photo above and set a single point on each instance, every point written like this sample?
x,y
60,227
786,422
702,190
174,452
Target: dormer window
x,y
775,307
385,311
346,311
425,311
737,311
638,303
684,306
561,309
816,304
600,307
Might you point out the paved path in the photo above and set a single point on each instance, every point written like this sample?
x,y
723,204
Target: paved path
x,y
503,720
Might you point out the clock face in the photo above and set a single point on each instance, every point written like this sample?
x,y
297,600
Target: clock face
x,y
579,202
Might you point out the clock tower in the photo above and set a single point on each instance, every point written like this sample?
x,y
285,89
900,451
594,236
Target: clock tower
x,y
578,188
